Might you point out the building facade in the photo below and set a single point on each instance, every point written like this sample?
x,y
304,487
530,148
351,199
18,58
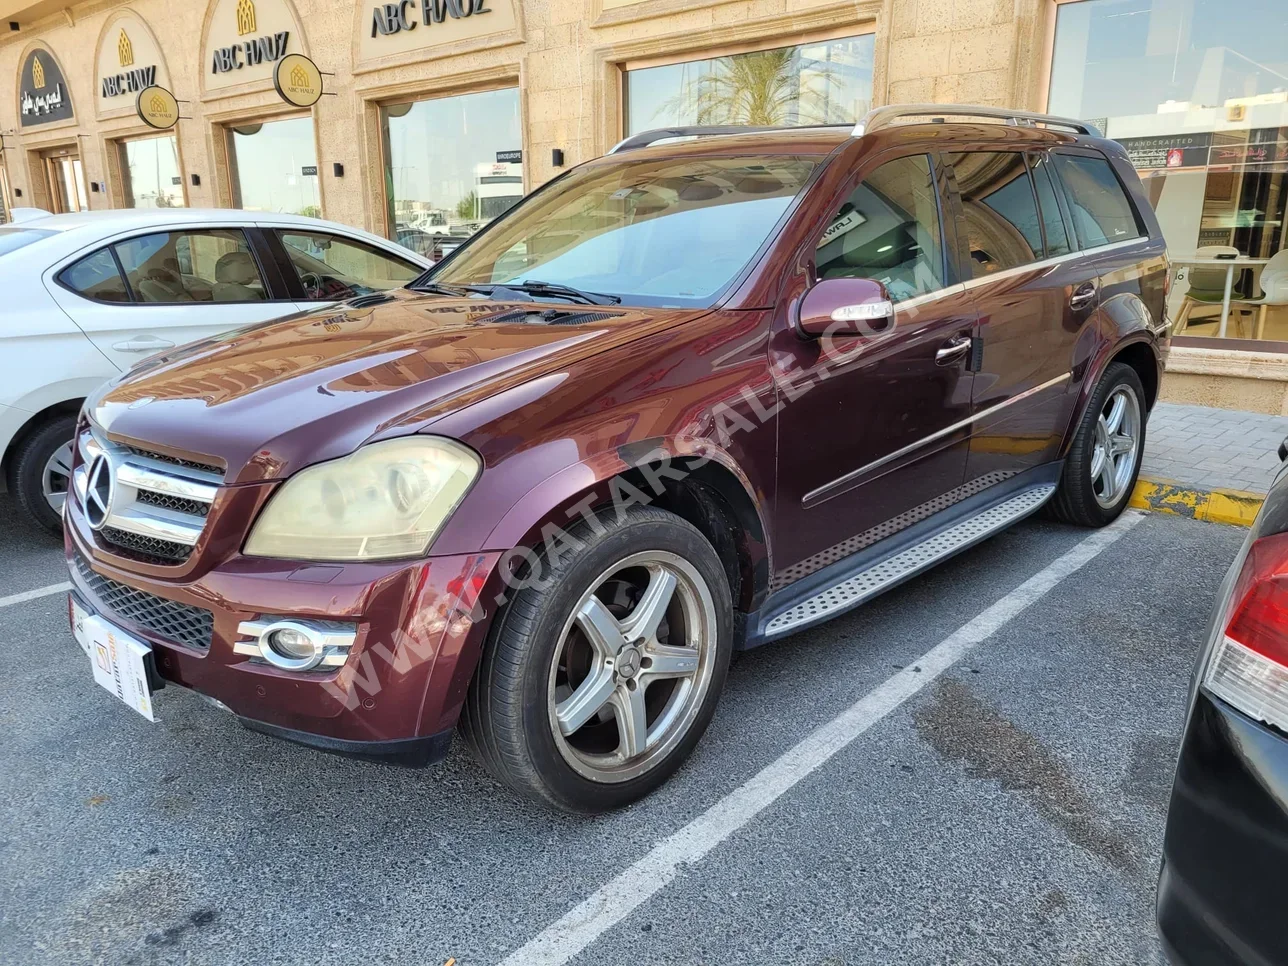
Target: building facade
x,y
440,114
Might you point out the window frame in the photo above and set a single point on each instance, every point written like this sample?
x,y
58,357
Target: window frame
x,y
1061,201
274,286
947,233
290,275
1079,151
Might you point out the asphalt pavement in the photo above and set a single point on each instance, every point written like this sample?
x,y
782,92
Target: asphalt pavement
x,y
1009,810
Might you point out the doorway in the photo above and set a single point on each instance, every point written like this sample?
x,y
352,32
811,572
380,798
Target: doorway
x,y
66,180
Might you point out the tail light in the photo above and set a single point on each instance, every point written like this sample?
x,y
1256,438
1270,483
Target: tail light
x,y
1249,667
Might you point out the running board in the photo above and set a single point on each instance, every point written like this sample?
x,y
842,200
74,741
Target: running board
x,y
881,576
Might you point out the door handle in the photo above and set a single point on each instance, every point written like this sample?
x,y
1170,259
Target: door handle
x,y
1083,296
952,350
146,343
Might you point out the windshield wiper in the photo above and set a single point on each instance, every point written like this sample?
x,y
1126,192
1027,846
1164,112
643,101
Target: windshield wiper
x,y
551,289
459,291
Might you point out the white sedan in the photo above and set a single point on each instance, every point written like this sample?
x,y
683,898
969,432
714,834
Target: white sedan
x,y
91,294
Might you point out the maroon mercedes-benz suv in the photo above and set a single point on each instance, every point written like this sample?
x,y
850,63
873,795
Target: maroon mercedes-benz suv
x,y
686,398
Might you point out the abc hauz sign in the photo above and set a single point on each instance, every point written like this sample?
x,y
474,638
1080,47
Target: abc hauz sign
x,y
157,108
392,18
298,81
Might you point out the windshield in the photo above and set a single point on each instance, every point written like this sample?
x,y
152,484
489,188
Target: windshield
x,y
11,239
667,232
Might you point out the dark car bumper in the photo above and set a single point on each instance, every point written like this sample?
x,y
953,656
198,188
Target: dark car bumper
x,y
420,628
1225,853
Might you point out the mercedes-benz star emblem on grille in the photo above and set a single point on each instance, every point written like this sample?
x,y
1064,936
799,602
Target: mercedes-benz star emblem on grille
x,y
98,495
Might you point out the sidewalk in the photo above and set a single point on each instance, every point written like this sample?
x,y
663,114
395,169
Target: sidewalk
x,y
1209,464
1213,449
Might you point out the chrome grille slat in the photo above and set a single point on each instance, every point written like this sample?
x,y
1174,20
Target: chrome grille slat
x,y
158,504
168,619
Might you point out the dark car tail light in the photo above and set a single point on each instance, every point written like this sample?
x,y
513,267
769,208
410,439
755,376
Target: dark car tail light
x,y
1249,668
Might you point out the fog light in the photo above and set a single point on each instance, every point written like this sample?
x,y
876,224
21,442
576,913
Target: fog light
x,y
291,644
296,645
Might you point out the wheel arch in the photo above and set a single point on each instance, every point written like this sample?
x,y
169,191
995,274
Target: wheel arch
x,y
68,407
694,480
1140,352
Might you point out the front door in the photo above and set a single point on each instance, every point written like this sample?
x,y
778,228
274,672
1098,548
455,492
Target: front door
x,y
1032,302
878,440
66,181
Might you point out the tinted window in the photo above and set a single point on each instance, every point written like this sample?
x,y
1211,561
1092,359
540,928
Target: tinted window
x,y
888,230
332,268
1099,206
96,277
1002,225
1057,238
11,239
191,266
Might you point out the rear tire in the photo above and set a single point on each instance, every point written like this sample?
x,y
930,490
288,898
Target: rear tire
x,y
598,680
1104,459
39,476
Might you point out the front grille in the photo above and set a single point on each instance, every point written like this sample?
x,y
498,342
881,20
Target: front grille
x,y
176,461
147,549
168,502
168,619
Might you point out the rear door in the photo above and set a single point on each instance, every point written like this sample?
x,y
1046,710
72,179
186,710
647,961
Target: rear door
x,y
148,292
1032,299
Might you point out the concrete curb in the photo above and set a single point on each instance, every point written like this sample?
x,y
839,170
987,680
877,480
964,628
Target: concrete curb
x,y
1234,507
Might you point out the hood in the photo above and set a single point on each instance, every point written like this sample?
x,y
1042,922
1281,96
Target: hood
x,y
268,400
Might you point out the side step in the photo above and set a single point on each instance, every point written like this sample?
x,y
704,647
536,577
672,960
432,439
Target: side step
x,y
884,574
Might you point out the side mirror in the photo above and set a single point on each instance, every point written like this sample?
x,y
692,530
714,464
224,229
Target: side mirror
x,y
844,306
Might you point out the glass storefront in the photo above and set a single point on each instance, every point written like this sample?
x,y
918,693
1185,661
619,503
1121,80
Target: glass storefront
x,y
1197,92
5,216
150,173
828,82
452,164
275,167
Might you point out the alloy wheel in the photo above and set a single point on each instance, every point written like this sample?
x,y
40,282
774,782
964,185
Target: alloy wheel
x,y
56,477
1117,446
632,666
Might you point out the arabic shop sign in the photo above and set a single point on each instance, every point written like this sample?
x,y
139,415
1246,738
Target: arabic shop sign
x,y
43,97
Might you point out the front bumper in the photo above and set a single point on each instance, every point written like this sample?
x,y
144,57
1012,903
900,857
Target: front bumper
x,y
420,628
1225,852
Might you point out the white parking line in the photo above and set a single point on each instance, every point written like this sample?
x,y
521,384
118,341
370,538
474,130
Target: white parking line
x,y
616,900
33,594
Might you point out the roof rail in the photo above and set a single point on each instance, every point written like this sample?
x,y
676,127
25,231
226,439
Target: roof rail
x,y
645,138
881,117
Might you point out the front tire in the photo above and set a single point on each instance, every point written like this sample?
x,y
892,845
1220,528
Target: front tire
x,y
1104,459
40,476
599,678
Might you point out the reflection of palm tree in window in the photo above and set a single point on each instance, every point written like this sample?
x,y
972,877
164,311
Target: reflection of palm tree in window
x,y
768,87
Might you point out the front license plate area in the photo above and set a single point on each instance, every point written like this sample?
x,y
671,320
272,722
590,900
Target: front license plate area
x,y
120,662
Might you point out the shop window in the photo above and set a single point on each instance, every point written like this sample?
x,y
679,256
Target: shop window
x,y
888,230
1101,211
275,167
999,209
96,277
331,268
191,266
827,82
150,173
1195,91
452,164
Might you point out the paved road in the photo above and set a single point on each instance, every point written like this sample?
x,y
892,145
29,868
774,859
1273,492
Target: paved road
x,y
1010,811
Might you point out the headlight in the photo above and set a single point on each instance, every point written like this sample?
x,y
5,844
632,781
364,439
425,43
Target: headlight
x,y
386,500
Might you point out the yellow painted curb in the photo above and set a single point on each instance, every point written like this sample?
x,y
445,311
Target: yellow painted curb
x,y
1235,507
